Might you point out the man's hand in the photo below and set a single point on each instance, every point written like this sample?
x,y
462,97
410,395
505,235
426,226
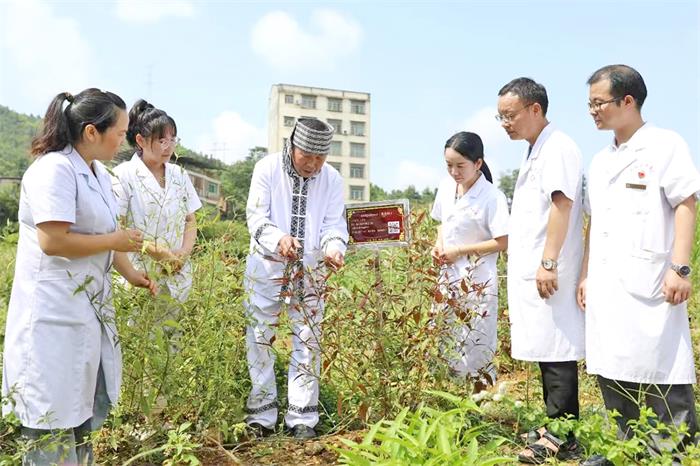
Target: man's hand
x,y
335,260
676,289
581,294
436,254
288,247
547,282
450,254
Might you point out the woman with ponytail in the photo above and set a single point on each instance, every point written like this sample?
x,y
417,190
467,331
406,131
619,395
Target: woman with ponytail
x,y
474,220
157,197
62,360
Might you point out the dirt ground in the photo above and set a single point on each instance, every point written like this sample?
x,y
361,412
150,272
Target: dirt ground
x,y
280,450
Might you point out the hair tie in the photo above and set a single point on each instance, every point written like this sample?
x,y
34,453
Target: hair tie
x,y
69,97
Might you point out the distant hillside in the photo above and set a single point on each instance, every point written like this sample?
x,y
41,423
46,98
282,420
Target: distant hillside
x,y
16,133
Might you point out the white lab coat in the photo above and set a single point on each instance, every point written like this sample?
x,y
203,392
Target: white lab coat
x,y
553,329
56,337
269,213
479,215
159,212
632,333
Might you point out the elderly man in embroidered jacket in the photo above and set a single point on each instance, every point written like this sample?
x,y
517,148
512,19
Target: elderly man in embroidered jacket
x,y
295,217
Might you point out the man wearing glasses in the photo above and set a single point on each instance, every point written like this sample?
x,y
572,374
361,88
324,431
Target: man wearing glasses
x,y
635,275
544,258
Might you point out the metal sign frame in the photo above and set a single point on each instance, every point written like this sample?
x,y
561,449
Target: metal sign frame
x,y
404,208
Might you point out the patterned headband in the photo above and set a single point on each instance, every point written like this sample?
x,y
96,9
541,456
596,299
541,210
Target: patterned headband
x,y
313,141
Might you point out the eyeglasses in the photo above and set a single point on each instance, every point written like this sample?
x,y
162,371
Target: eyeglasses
x,y
508,118
165,143
596,106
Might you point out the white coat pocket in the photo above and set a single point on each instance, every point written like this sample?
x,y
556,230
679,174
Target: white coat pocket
x,y
643,273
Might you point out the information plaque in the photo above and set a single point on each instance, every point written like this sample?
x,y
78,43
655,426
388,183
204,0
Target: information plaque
x,y
378,224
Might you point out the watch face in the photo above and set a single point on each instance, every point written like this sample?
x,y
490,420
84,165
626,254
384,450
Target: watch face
x,y
684,270
548,264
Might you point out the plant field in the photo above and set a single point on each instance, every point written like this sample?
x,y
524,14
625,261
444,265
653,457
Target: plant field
x,y
386,394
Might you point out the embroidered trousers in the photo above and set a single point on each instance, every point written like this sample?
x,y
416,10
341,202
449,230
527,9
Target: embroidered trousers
x,y
304,366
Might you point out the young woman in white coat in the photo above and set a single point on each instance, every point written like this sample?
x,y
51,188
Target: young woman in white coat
x,y
474,228
62,361
157,198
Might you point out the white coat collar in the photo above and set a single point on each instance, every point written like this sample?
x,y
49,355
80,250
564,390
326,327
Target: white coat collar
x,y
536,148
626,154
541,139
146,175
478,186
98,180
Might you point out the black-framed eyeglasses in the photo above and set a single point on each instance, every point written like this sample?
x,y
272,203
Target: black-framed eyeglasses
x,y
508,118
596,106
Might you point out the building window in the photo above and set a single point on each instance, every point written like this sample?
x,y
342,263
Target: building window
x,y
336,148
213,188
336,165
357,149
357,171
357,193
357,128
288,99
308,101
357,106
335,105
337,125
288,121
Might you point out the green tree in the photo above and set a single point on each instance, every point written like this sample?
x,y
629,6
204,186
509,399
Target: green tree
x,y
376,193
235,182
9,203
506,183
16,133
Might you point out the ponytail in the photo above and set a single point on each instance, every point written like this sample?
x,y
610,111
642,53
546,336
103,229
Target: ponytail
x,y
55,132
148,121
486,171
63,127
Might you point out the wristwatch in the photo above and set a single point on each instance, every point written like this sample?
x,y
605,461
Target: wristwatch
x,y
549,264
681,270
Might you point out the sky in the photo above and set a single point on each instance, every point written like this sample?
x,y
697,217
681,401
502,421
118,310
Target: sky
x,y
432,68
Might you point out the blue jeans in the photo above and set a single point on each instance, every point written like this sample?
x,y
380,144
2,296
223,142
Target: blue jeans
x,y
68,446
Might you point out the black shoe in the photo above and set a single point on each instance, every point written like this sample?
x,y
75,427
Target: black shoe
x,y
596,460
258,430
302,432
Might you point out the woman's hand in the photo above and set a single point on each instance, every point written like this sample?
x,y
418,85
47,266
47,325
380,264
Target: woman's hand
x,y
127,240
139,279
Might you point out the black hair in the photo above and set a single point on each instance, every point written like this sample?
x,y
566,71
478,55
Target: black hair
x,y
65,127
470,146
149,122
624,80
528,91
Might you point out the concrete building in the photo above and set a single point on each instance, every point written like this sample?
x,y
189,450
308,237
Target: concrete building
x,y
347,111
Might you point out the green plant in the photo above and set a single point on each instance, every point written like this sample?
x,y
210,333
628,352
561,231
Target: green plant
x,y
427,436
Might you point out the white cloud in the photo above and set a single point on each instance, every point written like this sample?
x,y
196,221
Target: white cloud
x,y
46,51
285,44
231,137
151,11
